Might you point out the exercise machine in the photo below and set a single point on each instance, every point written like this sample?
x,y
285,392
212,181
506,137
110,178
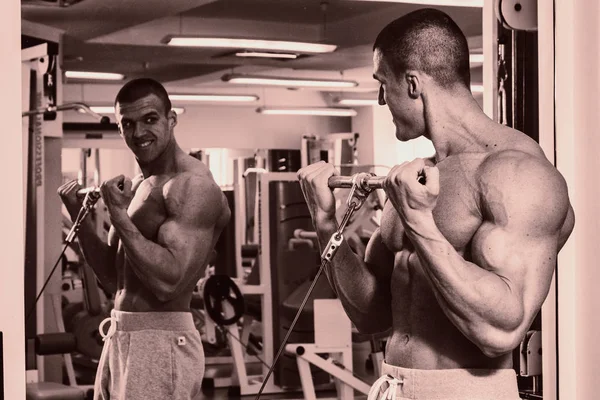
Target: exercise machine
x,y
339,149
330,352
274,266
42,132
286,264
42,137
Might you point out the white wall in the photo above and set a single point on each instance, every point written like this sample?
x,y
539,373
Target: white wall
x,y
546,113
243,128
577,146
378,145
364,124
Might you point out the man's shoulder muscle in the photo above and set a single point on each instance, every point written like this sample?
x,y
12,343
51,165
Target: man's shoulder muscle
x,y
516,184
194,194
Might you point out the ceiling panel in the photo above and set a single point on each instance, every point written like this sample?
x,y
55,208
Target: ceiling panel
x,y
293,11
91,18
125,36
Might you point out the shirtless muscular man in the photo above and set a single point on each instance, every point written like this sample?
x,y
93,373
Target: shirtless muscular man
x,y
461,264
164,225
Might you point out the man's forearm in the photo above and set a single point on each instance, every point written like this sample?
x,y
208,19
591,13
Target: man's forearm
x,y
98,255
366,300
479,302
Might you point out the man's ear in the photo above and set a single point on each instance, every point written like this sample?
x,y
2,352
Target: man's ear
x,y
118,120
172,116
415,84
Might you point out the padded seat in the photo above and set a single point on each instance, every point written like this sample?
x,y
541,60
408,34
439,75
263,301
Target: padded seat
x,y
53,391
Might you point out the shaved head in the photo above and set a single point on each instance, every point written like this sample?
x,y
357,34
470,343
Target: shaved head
x,y
427,40
140,88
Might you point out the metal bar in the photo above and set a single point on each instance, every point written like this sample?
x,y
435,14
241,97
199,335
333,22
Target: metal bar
x,y
69,106
363,180
334,370
81,193
303,234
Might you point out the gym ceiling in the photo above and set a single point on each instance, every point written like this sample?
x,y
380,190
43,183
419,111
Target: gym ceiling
x,y
127,37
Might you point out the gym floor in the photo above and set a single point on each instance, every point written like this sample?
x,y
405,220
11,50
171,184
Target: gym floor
x,y
211,393
223,393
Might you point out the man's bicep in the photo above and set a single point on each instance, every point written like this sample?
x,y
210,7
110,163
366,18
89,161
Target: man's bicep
x,y
525,264
518,240
194,207
524,210
378,258
189,244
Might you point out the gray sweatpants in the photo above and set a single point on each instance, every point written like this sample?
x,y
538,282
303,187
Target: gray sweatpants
x,y
147,356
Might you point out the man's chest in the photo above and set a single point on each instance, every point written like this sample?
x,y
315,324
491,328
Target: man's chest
x,y
456,213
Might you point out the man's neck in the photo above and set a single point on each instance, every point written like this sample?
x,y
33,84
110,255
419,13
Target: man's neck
x,y
454,123
165,163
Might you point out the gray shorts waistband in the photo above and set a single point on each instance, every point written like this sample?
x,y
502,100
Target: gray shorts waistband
x,y
456,384
167,321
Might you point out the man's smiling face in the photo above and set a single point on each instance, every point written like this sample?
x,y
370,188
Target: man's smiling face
x,y
146,126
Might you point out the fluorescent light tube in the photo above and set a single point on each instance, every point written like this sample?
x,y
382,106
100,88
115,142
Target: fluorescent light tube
x,y
477,88
94,75
260,54
111,110
332,112
213,97
285,81
254,44
456,3
358,102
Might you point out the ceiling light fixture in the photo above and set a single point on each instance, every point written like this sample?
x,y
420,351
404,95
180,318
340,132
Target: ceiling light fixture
x,y
477,88
320,111
104,110
213,97
358,102
250,44
105,76
264,54
456,3
285,81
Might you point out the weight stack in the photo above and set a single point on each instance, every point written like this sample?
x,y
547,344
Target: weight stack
x,y
284,160
291,270
225,246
